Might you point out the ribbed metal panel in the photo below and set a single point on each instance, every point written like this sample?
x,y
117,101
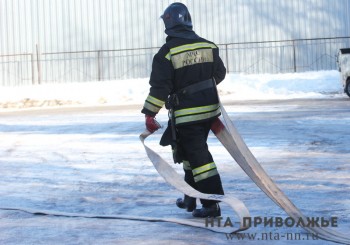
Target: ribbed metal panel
x,y
132,29
75,25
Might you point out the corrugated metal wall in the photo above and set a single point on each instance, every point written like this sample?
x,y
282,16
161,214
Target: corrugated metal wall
x,y
50,35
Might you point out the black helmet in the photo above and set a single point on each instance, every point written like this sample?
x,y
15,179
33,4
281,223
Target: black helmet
x,y
176,14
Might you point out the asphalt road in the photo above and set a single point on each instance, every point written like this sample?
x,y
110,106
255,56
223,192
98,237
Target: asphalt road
x,y
340,104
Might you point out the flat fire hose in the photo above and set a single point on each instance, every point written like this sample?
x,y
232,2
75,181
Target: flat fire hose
x,y
234,144
176,180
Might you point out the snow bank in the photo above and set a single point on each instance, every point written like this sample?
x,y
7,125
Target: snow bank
x,y
281,86
134,91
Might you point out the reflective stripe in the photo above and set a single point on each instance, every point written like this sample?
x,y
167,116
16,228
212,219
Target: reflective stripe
x,y
196,110
203,168
153,104
198,117
151,107
155,101
191,46
188,47
204,172
168,56
206,175
186,165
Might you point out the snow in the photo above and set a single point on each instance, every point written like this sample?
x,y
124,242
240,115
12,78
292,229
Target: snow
x,y
125,92
85,157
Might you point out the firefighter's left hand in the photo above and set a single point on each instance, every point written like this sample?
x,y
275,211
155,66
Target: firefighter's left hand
x,y
151,124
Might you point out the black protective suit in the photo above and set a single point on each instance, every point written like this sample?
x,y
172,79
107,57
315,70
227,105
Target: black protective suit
x,y
183,62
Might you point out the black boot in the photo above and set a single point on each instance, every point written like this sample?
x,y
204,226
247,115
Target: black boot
x,y
188,203
210,211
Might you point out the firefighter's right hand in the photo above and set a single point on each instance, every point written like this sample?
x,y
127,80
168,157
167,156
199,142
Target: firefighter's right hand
x,y
151,124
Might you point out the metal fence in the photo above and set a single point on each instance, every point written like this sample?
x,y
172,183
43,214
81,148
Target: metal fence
x,y
283,56
99,65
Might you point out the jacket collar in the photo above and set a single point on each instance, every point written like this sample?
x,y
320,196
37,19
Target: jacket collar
x,y
182,32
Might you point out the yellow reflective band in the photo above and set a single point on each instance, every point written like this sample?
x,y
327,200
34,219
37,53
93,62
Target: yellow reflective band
x,y
168,56
196,110
198,117
155,101
206,175
204,168
192,46
151,107
188,47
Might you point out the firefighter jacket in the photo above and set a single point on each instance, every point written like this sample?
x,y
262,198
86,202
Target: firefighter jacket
x,y
179,64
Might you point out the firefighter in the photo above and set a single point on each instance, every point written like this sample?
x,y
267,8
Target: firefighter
x,y
184,75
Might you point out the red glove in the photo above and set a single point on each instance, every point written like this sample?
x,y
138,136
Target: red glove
x,y
217,126
151,124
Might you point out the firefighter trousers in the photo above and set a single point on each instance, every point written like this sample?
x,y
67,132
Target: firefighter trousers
x,y
200,169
